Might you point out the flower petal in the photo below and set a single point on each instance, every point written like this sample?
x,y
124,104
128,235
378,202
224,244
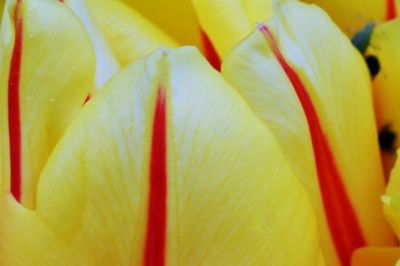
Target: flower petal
x,y
391,199
226,22
2,3
316,98
383,57
177,18
128,32
47,69
352,16
106,63
166,164
373,256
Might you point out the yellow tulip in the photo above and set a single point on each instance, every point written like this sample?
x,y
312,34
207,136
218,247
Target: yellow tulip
x,y
147,173
274,160
49,64
382,57
38,39
353,17
304,79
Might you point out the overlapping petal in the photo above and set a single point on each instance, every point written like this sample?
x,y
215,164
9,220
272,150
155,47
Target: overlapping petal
x,y
106,62
352,16
383,56
391,199
177,18
375,256
226,22
46,70
226,195
129,33
305,80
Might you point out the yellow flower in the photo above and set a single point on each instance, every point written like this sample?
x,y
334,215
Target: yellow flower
x,y
379,47
114,151
166,165
304,79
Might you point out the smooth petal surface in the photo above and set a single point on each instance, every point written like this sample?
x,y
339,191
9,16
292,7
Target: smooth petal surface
x,y
226,22
106,63
2,3
177,18
129,33
352,16
385,57
47,69
374,256
305,80
169,124
391,199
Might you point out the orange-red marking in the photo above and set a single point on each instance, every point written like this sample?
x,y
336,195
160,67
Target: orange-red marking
x,y
88,97
14,119
391,12
154,252
210,52
342,220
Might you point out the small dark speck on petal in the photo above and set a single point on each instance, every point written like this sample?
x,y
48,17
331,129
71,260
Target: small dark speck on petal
x,y
373,65
387,139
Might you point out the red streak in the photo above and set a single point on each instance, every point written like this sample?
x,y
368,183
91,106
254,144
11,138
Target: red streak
x,y
154,253
210,52
88,97
14,119
391,9
342,220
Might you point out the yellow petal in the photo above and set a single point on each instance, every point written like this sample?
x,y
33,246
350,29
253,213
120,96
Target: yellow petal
x,y
384,57
391,199
352,16
376,257
106,63
47,69
177,18
128,32
169,124
226,22
2,3
327,110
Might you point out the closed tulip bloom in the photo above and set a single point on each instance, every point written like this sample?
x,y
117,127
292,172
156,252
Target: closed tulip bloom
x,y
199,132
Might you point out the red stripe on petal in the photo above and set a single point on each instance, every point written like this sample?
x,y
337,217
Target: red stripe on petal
x,y
154,253
342,220
391,12
210,52
14,119
88,97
